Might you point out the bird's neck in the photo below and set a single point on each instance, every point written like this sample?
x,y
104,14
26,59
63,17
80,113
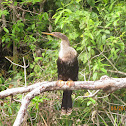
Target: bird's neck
x,y
64,50
64,44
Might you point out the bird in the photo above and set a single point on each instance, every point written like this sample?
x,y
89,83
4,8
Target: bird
x,y
67,68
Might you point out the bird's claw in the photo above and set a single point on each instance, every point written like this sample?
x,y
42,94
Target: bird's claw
x,y
70,83
60,83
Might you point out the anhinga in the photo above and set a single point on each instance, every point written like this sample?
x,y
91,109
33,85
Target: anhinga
x,y
67,65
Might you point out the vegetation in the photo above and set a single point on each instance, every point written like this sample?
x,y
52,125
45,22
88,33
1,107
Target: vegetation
x,y
96,29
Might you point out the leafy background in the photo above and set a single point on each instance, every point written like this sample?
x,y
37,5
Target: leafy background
x,y
96,29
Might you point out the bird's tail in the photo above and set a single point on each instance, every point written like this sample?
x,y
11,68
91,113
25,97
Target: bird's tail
x,y
66,107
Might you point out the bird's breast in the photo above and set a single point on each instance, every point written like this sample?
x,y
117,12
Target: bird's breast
x,y
67,54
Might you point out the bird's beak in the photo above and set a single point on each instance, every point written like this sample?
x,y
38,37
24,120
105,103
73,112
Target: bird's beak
x,y
48,33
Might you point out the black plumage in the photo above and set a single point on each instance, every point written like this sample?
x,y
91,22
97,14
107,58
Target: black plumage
x,y
67,71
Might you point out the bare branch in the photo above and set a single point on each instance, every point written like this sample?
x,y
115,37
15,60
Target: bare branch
x,y
119,72
91,95
105,83
17,64
20,90
14,63
25,71
22,67
27,10
27,99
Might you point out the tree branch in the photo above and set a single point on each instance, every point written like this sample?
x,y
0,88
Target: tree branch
x,y
17,64
105,83
20,90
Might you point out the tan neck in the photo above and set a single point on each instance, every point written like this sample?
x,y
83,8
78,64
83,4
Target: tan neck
x,y
64,44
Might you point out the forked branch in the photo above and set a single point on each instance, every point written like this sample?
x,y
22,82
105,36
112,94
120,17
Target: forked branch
x,y
105,83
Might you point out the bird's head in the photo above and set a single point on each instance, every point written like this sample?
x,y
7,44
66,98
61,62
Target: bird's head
x,y
57,34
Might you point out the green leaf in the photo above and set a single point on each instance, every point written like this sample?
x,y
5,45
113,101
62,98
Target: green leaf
x,y
107,31
33,26
3,39
115,23
111,6
6,30
91,2
112,50
88,103
91,36
3,12
57,18
0,81
122,45
93,100
103,38
31,66
105,1
95,67
78,1
104,70
38,58
45,15
94,76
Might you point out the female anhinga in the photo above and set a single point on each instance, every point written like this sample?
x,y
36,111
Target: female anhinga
x,y
67,65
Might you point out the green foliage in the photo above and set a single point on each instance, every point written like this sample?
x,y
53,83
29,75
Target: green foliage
x,y
95,32
3,12
37,100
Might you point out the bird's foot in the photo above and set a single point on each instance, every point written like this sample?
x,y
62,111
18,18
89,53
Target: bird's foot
x,y
66,111
69,111
63,111
70,83
60,83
